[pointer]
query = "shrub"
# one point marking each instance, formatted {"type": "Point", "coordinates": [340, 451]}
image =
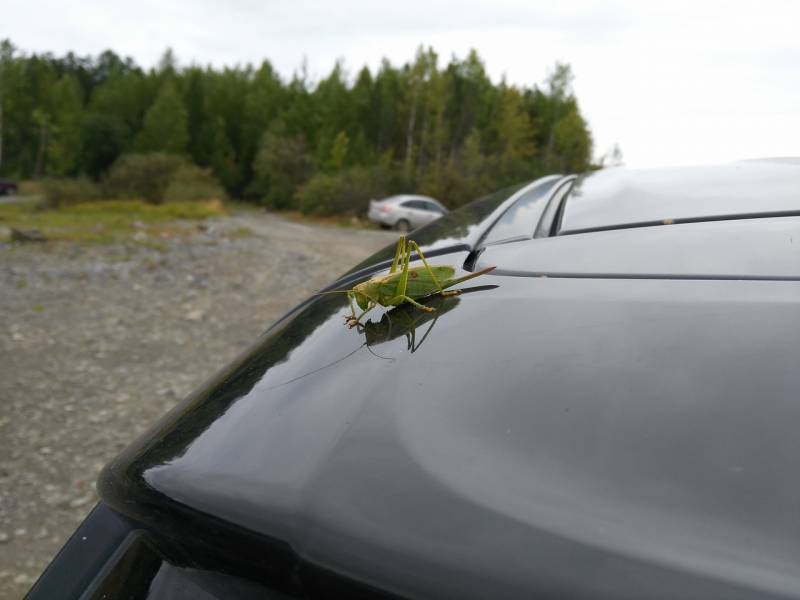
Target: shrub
{"type": "Point", "coordinates": [191, 183]}
{"type": "Point", "coordinates": [65, 192]}
{"type": "Point", "coordinates": [30, 187]}
{"type": "Point", "coordinates": [450, 186]}
{"type": "Point", "coordinates": [279, 167]}
{"type": "Point", "coordinates": [145, 176]}
{"type": "Point", "coordinates": [347, 192]}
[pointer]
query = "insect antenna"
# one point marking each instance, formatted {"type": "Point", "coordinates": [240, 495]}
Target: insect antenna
{"type": "Point", "coordinates": [317, 370]}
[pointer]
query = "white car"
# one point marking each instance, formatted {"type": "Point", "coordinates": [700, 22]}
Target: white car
{"type": "Point", "coordinates": [405, 212]}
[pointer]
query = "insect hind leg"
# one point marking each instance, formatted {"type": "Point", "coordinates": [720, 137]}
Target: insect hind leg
{"type": "Point", "coordinates": [399, 254]}
{"type": "Point", "coordinates": [410, 300]}
{"type": "Point", "coordinates": [413, 245]}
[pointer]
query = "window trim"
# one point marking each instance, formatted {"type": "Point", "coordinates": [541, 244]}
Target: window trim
{"type": "Point", "coordinates": [550, 222]}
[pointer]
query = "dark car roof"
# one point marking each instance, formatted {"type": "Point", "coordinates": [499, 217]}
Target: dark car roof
{"type": "Point", "coordinates": [622, 197]}
{"type": "Point", "coordinates": [575, 435]}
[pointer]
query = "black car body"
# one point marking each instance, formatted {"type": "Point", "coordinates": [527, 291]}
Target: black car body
{"type": "Point", "coordinates": [612, 413]}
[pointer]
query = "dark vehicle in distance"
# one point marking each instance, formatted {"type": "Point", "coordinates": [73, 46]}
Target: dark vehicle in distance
{"type": "Point", "coordinates": [7, 188]}
{"type": "Point", "coordinates": [612, 413]}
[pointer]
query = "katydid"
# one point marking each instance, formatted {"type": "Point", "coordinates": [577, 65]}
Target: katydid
{"type": "Point", "coordinates": [404, 284]}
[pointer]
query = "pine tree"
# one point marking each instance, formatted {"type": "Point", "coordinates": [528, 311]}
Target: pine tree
{"type": "Point", "coordinates": [165, 126]}
{"type": "Point", "coordinates": [338, 155]}
{"type": "Point", "coordinates": [66, 110]}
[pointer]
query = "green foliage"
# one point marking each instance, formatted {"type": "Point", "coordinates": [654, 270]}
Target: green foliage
{"type": "Point", "coordinates": [280, 166]}
{"type": "Point", "coordinates": [338, 155]}
{"type": "Point", "coordinates": [63, 150]}
{"type": "Point", "coordinates": [103, 138]}
{"type": "Point", "coordinates": [191, 183]}
{"type": "Point", "coordinates": [145, 176]}
{"type": "Point", "coordinates": [165, 127]}
{"type": "Point", "coordinates": [442, 128]}
{"type": "Point", "coordinates": [108, 221]}
{"type": "Point", "coordinates": [66, 192]}
{"type": "Point", "coordinates": [347, 192]}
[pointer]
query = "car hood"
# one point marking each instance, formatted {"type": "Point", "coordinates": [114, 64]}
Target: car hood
{"type": "Point", "coordinates": [567, 437]}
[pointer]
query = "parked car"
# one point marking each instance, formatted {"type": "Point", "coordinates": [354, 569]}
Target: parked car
{"type": "Point", "coordinates": [405, 212]}
{"type": "Point", "coordinates": [7, 187]}
{"type": "Point", "coordinates": [611, 413]}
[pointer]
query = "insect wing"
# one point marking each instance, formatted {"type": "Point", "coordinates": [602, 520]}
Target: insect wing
{"type": "Point", "coordinates": [420, 282]}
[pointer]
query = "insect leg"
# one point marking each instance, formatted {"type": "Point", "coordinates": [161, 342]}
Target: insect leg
{"type": "Point", "coordinates": [402, 283]}
{"type": "Point", "coordinates": [413, 245]}
{"type": "Point", "coordinates": [410, 300]}
{"type": "Point", "coordinates": [350, 298]}
{"type": "Point", "coordinates": [399, 253]}
{"type": "Point", "coordinates": [356, 320]}
{"type": "Point", "coordinates": [428, 331]}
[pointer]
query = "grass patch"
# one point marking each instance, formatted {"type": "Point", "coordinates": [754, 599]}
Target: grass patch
{"type": "Point", "coordinates": [109, 221]}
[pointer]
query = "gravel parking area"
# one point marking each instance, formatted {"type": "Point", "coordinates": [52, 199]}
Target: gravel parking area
{"type": "Point", "coordinates": [98, 341]}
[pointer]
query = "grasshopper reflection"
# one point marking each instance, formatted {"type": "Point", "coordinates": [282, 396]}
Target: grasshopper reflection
{"type": "Point", "coordinates": [400, 321]}
{"type": "Point", "coordinates": [406, 319]}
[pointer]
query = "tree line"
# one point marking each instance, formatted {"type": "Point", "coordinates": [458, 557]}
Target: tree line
{"type": "Point", "coordinates": [444, 129]}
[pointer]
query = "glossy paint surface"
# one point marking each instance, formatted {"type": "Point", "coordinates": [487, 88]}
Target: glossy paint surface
{"type": "Point", "coordinates": [615, 197]}
{"type": "Point", "coordinates": [764, 248]}
{"type": "Point", "coordinates": [610, 414]}
{"type": "Point", "coordinates": [575, 438]}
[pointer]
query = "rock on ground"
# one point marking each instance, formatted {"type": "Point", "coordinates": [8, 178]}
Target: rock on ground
{"type": "Point", "coordinates": [98, 341]}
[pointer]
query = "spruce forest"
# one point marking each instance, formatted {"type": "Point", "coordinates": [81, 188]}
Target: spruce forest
{"type": "Point", "coordinates": [109, 128]}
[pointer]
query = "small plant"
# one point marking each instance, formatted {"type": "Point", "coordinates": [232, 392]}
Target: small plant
{"type": "Point", "coordinates": [59, 193]}
{"type": "Point", "coordinates": [145, 176]}
{"type": "Point", "coordinates": [191, 184]}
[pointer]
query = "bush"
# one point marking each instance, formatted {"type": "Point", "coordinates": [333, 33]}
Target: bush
{"type": "Point", "coordinates": [452, 186]}
{"type": "Point", "coordinates": [159, 177]}
{"type": "Point", "coordinates": [30, 187]}
{"type": "Point", "coordinates": [191, 183]}
{"type": "Point", "coordinates": [65, 192]}
{"type": "Point", "coordinates": [348, 192]}
{"type": "Point", "coordinates": [145, 176]}
{"type": "Point", "coordinates": [279, 167]}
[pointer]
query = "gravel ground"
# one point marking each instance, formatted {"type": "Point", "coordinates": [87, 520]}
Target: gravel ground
{"type": "Point", "coordinates": [98, 341]}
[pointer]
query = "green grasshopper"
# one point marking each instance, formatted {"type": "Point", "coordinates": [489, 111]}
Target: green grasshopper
{"type": "Point", "coordinates": [403, 284]}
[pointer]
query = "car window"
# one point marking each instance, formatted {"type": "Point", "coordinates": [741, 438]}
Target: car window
{"type": "Point", "coordinates": [418, 204]}
{"type": "Point", "coordinates": [522, 216]}
{"type": "Point", "coordinates": [433, 207]}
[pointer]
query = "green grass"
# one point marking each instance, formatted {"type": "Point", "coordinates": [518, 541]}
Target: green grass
{"type": "Point", "coordinates": [109, 221]}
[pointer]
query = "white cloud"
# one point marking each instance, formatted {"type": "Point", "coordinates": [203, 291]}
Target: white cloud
{"type": "Point", "coordinates": [672, 83]}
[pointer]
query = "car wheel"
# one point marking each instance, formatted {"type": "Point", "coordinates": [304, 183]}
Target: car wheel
{"type": "Point", "coordinates": [402, 226]}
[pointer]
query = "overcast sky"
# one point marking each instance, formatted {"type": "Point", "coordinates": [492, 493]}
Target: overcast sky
{"type": "Point", "coordinates": [671, 82]}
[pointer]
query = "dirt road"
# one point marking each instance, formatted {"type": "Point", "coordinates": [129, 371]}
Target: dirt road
{"type": "Point", "coordinates": [98, 341]}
